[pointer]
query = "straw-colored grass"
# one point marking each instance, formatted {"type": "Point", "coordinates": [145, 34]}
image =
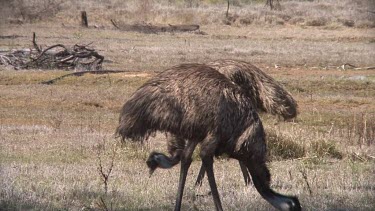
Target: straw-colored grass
{"type": "Point", "coordinates": [51, 135]}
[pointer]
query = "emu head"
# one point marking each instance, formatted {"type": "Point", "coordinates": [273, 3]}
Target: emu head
{"type": "Point", "coordinates": [160, 160]}
{"type": "Point", "coordinates": [286, 203]}
{"type": "Point", "coordinates": [292, 205]}
{"type": "Point", "coordinates": [152, 163]}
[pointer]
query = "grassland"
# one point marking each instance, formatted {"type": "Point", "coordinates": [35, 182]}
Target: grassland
{"type": "Point", "coordinates": [52, 136]}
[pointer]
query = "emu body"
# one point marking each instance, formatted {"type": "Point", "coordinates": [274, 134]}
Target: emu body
{"type": "Point", "coordinates": [265, 93]}
{"type": "Point", "coordinates": [201, 106]}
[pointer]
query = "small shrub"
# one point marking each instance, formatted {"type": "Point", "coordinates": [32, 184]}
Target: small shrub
{"type": "Point", "coordinates": [32, 10]}
{"type": "Point", "coordinates": [346, 22]}
{"type": "Point", "coordinates": [365, 24]}
{"type": "Point", "coordinates": [296, 20]}
{"type": "Point", "coordinates": [280, 147]}
{"type": "Point", "coordinates": [324, 148]}
{"type": "Point", "coordinates": [248, 19]}
{"type": "Point", "coordinates": [144, 9]}
{"type": "Point", "coordinates": [231, 19]}
{"type": "Point", "coordinates": [316, 22]}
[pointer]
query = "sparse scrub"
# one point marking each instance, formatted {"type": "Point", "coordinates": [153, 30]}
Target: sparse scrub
{"type": "Point", "coordinates": [345, 13]}
{"type": "Point", "coordinates": [361, 129]}
{"type": "Point", "coordinates": [32, 10]}
{"type": "Point", "coordinates": [325, 148]}
{"type": "Point", "coordinates": [281, 147]}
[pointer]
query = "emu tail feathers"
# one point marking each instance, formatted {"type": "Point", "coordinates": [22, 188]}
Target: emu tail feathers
{"type": "Point", "coordinates": [267, 94]}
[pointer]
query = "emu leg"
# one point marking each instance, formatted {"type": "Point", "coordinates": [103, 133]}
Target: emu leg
{"type": "Point", "coordinates": [185, 164]}
{"type": "Point", "coordinates": [244, 170]}
{"type": "Point", "coordinates": [245, 173]}
{"type": "Point", "coordinates": [200, 177]}
{"type": "Point", "coordinates": [261, 179]}
{"type": "Point", "coordinates": [208, 165]}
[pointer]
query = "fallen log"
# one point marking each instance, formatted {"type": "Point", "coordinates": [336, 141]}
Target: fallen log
{"type": "Point", "coordinates": [150, 28]}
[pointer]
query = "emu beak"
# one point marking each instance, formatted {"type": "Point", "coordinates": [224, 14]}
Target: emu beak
{"type": "Point", "coordinates": [152, 164]}
{"type": "Point", "coordinates": [151, 171]}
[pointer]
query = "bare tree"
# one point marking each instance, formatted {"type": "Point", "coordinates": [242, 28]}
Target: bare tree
{"type": "Point", "coordinates": [227, 13]}
{"type": "Point", "coordinates": [271, 5]}
{"type": "Point", "coordinates": [200, 105]}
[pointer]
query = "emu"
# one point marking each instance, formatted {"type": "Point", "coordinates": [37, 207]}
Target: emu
{"type": "Point", "coordinates": [200, 105]}
{"type": "Point", "coordinates": [265, 93]}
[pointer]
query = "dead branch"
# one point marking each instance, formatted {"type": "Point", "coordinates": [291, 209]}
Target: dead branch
{"type": "Point", "coordinates": [34, 42]}
{"type": "Point", "coordinates": [102, 205]}
{"type": "Point", "coordinates": [114, 24]}
{"type": "Point", "coordinates": [304, 175]}
{"type": "Point", "coordinates": [345, 66]}
{"type": "Point", "coordinates": [105, 175]}
{"type": "Point", "coordinates": [348, 66]}
{"type": "Point", "coordinates": [49, 48]}
{"type": "Point", "coordinates": [80, 74]}
{"type": "Point", "coordinates": [56, 56]}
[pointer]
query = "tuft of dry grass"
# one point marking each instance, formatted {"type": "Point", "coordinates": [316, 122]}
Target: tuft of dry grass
{"type": "Point", "coordinates": [281, 147]}
{"type": "Point", "coordinates": [324, 148]}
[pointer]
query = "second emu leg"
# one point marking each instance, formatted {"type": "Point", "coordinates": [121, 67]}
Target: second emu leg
{"type": "Point", "coordinates": [185, 164]}
{"type": "Point", "coordinates": [244, 171]}
{"type": "Point", "coordinates": [175, 147]}
{"type": "Point", "coordinates": [208, 148]}
{"type": "Point", "coordinates": [208, 164]}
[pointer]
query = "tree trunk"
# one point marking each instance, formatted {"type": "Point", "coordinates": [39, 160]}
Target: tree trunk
{"type": "Point", "coordinates": [84, 21]}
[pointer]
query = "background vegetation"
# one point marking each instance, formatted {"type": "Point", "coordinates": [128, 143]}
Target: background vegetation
{"type": "Point", "coordinates": [57, 144]}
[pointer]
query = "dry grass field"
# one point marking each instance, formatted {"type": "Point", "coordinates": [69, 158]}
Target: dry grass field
{"type": "Point", "coordinates": [54, 138]}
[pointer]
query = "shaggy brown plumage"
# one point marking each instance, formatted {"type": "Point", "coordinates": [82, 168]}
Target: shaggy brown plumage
{"type": "Point", "coordinates": [266, 93]}
{"type": "Point", "coordinates": [198, 104]}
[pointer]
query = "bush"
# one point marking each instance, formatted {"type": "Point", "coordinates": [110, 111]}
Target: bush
{"type": "Point", "coordinates": [34, 10]}
{"type": "Point", "coordinates": [324, 148]}
{"type": "Point", "coordinates": [281, 147]}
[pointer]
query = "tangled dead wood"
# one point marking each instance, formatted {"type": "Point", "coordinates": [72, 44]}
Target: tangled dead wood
{"type": "Point", "coordinates": [53, 57]}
